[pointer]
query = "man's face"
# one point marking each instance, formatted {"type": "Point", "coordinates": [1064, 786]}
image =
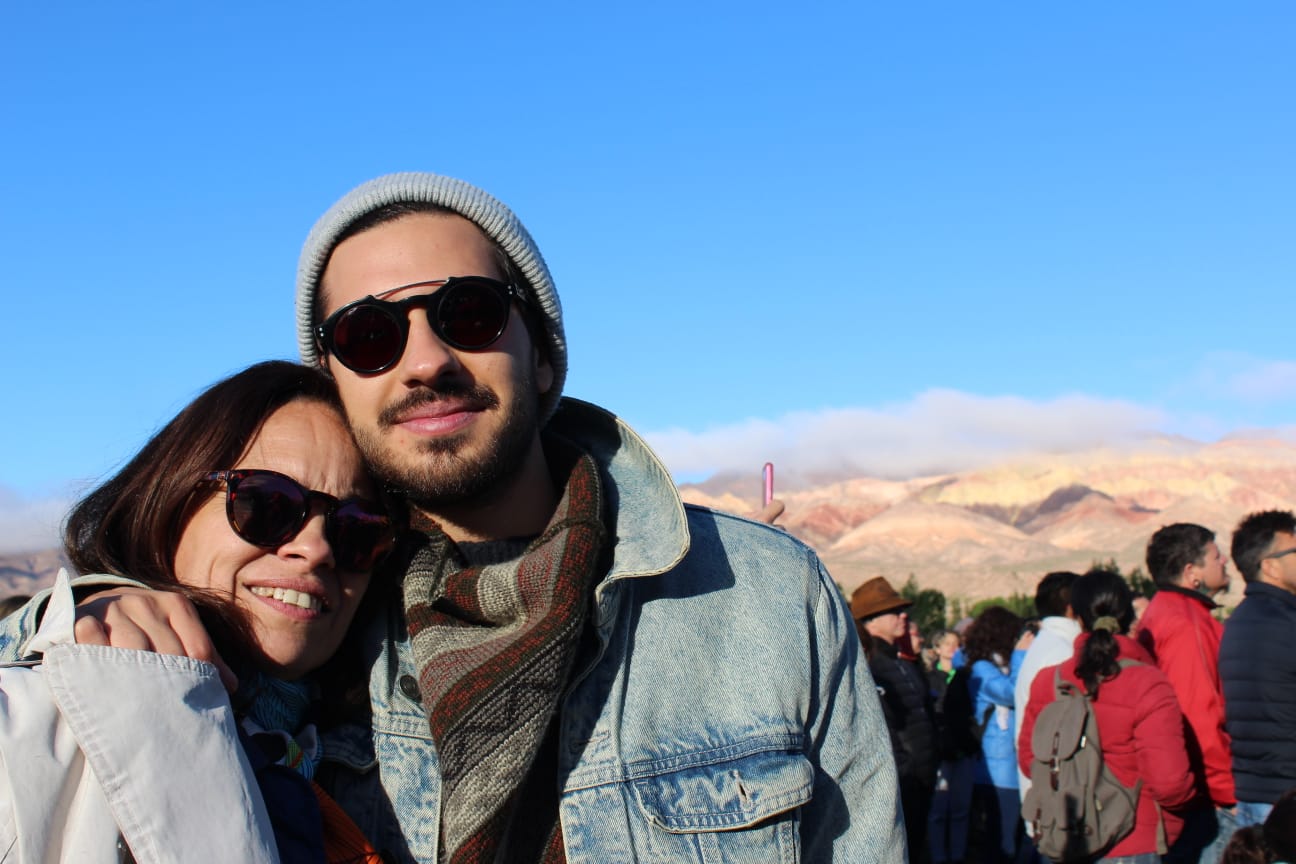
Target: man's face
{"type": "Point", "coordinates": [442, 425]}
{"type": "Point", "coordinates": [889, 626]}
{"type": "Point", "coordinates": [1278, 569]}
{"type": "Point", "coordinates": [1211, 574]}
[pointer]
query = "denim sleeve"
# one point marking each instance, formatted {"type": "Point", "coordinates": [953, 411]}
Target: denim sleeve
{"type": "Point", "coordinates": [17, 629]}
{"type": "Point", "coordinates": [854, 815]}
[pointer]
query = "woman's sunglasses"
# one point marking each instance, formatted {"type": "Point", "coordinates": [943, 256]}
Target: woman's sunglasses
{"type": "Point", "coordinates": [468, 313]}
{"type": "Point", "coordinates": [268, 509]}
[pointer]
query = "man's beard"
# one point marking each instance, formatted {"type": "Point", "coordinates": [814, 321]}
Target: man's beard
{"type": "Point", "coordinates": [456, 469]}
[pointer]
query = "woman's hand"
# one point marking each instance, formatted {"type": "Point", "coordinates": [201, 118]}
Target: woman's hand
{"type": "Point", "coordinates": [145, 620]}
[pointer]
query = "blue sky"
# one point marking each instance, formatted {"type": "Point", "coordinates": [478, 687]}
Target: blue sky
{"type": "Point", "coordinates": [892, 238]}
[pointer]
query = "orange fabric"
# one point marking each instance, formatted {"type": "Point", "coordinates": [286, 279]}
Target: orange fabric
{"type": "Point", "coordinates": [344, 843]}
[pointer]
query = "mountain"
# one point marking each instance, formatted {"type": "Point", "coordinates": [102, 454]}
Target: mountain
{"type": "Point", "coordinates": [995, 531]}
{"type": "Point", "coordinates": [29, 572]}
{"type": "Point", "coordinates": [989, 532]}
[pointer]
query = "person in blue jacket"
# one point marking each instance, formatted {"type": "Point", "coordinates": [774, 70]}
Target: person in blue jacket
{"type": "Point", "coordinates": [996, 645]}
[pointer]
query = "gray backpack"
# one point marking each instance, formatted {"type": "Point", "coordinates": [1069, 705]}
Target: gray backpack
{"type": "Point", "coordinates": [1076, 807]}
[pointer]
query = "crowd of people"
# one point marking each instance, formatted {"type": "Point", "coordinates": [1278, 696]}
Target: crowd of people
{"type": "Point", "coordinates": [1193, 718]}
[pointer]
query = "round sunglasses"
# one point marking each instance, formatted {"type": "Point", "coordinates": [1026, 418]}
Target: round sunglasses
{"type": "Point", "coordinates": [268, 509]}
{"type": "Point", "coordinates": [468, 313]}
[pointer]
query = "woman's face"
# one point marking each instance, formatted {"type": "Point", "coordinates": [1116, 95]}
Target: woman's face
{"type": "Point", "coordinates": [308, 442]}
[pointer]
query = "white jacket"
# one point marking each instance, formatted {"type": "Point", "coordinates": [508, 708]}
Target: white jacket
{"type": "Point", "coordinates": [101, 743]}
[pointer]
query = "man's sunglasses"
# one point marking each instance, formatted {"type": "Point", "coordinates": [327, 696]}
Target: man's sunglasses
{"type": "Point", "coordinates": [468, 313]}
{"type": "Point", "coordinates": [268, 509]}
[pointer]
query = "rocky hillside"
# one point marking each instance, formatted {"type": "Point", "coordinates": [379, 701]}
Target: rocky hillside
{"type": "Point", "coordinates": [996, 531]}
{"type": "Point", "coordinates": [989, 532]}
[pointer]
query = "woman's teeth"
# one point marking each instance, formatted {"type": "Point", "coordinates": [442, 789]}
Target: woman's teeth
{"type": "Point", "coordinates": [289, 596]}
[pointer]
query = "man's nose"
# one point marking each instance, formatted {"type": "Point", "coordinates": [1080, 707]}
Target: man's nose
{"type": "Point", "coordinates": [426, 357]}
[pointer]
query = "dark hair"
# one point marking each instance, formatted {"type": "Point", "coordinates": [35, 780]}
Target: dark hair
{"type": "Point", "coordinates": [1173, 548]}
{"type": "Point", "coordinates": [1280, 826]}
{"type": "Point", "coordinates": [399, 210]}
{"type": "Point", "coordinates": [131, 524]}
{"type": "Point", "coordinates": [1101, 594]}
{"type": "Point", "coordinates": [866, 639]}
{"type": "Point", "coordinates": [1053, 594]}
{"type": "Point", "coordinates": [1253, 539]}
{"type": "Point", "coordinates": [1247, 846]}
{"type": "Point", "coordinates": [995, 631]}
{"type": "Point", "coordinates": [1275, 840]}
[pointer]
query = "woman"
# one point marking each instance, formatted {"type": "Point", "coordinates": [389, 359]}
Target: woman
{"type": "Point", "coordinates": [996, 646]}
{"type": "Point", "coordinates": [1140, 726]}
{"type": "Point", "coordinates": [947, 826]}
{"type": "Point", "coordinates": [253, 502]}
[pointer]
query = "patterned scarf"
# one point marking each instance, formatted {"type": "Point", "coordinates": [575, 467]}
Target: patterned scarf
{"type": "Point", "coordinates": [495, 644]}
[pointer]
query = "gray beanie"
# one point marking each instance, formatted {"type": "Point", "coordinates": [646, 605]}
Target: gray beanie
{"type": "Point", "coordinates": [494, 219]}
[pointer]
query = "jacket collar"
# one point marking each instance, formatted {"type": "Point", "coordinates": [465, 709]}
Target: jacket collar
{"type": "Point", "coordinates": [1269, 592]}
{"type": "Point", "coordinates": [647, 527]}
{"type": "Point", "coordinates": [1129, 649]}
{"type": "Point", "coordinates": [1061, 626]}
{"type": "Point", "coordinates": [1177, 590]}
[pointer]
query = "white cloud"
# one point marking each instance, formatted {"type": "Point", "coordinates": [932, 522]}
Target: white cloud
{"type": "Point", "coordinates": [936, 431]}
{"type": "Point", "coordinates": [1242, 377]}
{"type": "Point", "coordinates": [1265, 381]}
{"type": "Point", "coordinates": [30, 524]}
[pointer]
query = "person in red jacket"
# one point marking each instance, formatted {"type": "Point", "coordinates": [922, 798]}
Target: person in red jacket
{"type": "Point", "coordinates": [1140, 726]}
{"type": "Point", "coordinates": [1183, 638]}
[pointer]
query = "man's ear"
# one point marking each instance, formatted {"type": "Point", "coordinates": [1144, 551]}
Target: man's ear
{"type": "Point", "coordinates": [544, 374]}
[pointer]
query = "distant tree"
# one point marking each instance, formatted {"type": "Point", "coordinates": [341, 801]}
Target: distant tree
{"type": "Point", "coordinates": [928, 609]}
{"type": "Point", "coordinates": [1139, 581]}
{"type": "Point", "coordinates": [1019, 604]}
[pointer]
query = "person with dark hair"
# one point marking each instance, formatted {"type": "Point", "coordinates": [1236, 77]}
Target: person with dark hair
{"type": "Point", "coordinates": [577, 665]}
{"type": "Point", "coordinates": [880, 617]}
{"type": "Point", "coordinates": [1183, 638]}
{"type": "Point", "coordinates": [950, 817]}
{"type": "Point", "coordinates": [1274, 842]}
{"type": "Point", "coordinates": [1140, 726]}
{"type": "Point", "coordinates": [996, 644]}
{"type": "Point", "coordinates": [254, 504]}
{"type": "Point", "coordinates": [1257, 666]}
{"type": "Point", "coordinates": [1058, 629]}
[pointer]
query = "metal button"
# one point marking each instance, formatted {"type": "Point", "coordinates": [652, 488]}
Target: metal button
{"type": "Point", "coordinates": [410, 688]}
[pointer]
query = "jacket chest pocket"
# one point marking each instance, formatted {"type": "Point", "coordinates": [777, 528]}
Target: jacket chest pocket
{"type": "Point", "coordinates": [739, 810]}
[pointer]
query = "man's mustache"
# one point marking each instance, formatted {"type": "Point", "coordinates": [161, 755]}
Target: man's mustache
{"type": "Point", "coordinates": [477, 397]}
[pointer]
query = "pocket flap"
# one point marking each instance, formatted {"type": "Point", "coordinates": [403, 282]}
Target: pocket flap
{"type": "Point", "coordinates": [735, 793]}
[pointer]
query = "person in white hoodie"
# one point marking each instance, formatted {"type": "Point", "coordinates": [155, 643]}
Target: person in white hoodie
{"type": "Point", "coordinates": [1053, 644]}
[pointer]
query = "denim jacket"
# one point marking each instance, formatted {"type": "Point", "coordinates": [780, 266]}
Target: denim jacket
{"type": "Point", "coordinates": [726, 714]}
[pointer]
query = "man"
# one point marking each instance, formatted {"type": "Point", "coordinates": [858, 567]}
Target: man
{"type": "Point", "coordinates": [1258, 667]}
{"type": "Point", "coordinates": [879, 612]}
{"type": "Point", "coordinates": [1183, 637]}
{"type": "Point", "coordinates": [1052, 645]}
{"type": "Point", "coordinates": [575, 666]}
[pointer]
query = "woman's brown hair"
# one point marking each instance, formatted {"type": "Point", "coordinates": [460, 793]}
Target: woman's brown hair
{"type": "Point", "coordinates": [994, 632]}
